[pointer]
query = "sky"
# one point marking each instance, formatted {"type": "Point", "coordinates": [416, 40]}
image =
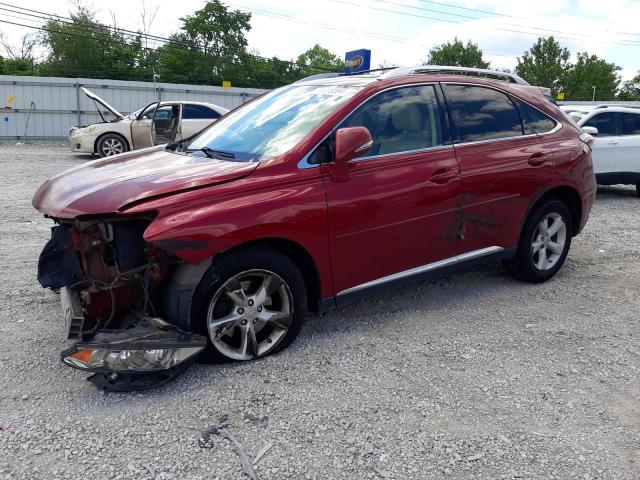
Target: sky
{"type": "Point", "coordinates": [399, 32]}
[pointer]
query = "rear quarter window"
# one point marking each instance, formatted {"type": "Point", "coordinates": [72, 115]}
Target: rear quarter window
{"type": "Point", "coordinates": [534, 120]}
{"type": "Point", "coordinates": [482, 113]}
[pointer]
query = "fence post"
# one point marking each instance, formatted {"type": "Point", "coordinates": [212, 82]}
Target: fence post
{"type": "Point", "coordinates": [78, 103]}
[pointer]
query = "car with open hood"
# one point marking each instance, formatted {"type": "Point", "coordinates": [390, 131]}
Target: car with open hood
{"type": "Point", "coordinates": [307, 198]}
{"type": "Point", "coordinates": [155, 124]}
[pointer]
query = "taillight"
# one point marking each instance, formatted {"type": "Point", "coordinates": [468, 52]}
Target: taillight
{"type": "Point", "coordinates": [586, 138]}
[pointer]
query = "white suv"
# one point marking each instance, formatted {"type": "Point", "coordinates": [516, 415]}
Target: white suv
{"type": "Point", "coordinates": [616, 146]}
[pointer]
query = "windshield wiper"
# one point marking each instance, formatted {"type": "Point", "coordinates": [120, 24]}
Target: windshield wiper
{"type": "Point", "coordinates": [217, 154]}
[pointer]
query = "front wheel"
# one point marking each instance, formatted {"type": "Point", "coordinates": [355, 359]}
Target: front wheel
{"type": "Point", "coordinates": [544, 243]}
{"type": "Point", "coordinates": [111, 144]}
{"type": "Point", "coordinates": [250, 304]}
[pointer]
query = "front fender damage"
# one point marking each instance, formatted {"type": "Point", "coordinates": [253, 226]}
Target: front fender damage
{"type": "Point", "coordinates": [112, 286]}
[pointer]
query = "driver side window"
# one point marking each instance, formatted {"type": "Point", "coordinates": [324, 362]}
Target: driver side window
{"type": "Point", "coordinates": [400, 120]}
{"type": "Point", "coordinates": [605, 122]}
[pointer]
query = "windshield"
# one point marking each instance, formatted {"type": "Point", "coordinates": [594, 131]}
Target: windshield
{"type": "Point", "coordinates": [272, 124]}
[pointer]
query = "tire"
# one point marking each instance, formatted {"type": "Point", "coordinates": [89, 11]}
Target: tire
{"type": "Point", "coordinates": [111, 144]}
{"type": "Point", "coordinates": [540, 256]}
{"type": "Point", "coordinates": [227, 316]}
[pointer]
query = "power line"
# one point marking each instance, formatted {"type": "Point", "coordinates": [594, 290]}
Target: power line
{"type": "Point", "coordinates": [83, 28]}
{"type": "Point", "coordinates": [498, 14]}
{"type": "Point", "coordinates": [414, 15]}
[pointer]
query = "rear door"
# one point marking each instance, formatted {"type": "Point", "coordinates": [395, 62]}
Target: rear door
{"type": "Point", "coordinates": [195, 117]}
{"type": "Point", "coordinates": [629, 159]}
{"type": "Point", "coordinates": [398, 209]}
{"type": "Point", "coordinates": [607, 150]}
{"type": "Point", "coordinates": [502, 165]}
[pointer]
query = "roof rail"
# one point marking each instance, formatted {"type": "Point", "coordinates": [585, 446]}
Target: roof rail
{"type": "Point", "coordinates": [343, 74]}
{"type": "Point", "coordinates": [441, 69]}
{"type": "Point", "coordinates": [318, 76]}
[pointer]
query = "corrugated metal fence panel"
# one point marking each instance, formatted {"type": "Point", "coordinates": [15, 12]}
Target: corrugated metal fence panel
{"type": "Point", "coordinates": [43, 108]}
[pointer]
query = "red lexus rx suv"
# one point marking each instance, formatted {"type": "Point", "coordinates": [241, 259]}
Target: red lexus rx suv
{"type": "Point", "coordinates": [305, 198]}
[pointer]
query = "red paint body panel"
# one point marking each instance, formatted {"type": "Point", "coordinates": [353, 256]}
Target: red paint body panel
{"type": "Point", "coordinates": [387, 217]}
{"type": "Point", "coordinates": [106, 185]}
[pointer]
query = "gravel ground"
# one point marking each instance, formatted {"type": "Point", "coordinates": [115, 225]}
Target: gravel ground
{"type": "Point", "coordinates": [471, 376]}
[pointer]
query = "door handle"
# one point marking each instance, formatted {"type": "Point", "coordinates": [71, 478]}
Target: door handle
{"type": "Point", "coordinates": [612, 142]}
{"type": "Point", "coordinates": [538, 159]}
{"type": "Point", "coordinates": [440, 177]}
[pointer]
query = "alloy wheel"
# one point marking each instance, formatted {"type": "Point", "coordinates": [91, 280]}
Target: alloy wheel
{"type": "Point", "coordinates": [112, 146]}
{"type": "Point", "coordinates": [250, 314]}
{"type": "Point", "coordinates": [549, 241]}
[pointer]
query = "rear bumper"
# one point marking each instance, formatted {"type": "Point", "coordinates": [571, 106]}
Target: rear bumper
{"type": "Point", "coordinates": [588, 199]}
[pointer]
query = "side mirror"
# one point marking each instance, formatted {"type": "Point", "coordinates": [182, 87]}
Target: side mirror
{"type": "Point", "coordinates": [593, 131]}
{"type": "Point", "coordinates": [351, 142]}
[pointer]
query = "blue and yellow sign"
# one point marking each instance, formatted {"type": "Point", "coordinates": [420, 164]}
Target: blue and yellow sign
{"type": "Point", "coordinates": [357, 61]}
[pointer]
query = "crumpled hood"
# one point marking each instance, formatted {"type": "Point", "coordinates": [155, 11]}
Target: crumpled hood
{"type": "Point", "coordinates": [108, 184]}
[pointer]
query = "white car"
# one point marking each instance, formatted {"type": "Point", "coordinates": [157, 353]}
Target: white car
{"type": "Point", "coordinates": [616, 145]}
{"type": "Point", "coordinates": [155, 124]}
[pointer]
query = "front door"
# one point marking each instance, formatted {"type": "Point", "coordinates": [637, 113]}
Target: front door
{"type": "Point", "coordinates": [141, 127]}
{"type": "Point", "coordinates": [397, 211]}
{"type": "Point", "coordinates": [607, 149]}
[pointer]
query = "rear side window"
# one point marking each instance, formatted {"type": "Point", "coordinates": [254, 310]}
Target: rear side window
{"type": "Point", "coordinates": [482, 113]}
{"type": "Point", "coordinates": [630, 123]}
{"type": "Point", "coordinates": [198, 112]}
{"type": "Point", "coordinates": [400, 120]}
{"type": "Point", "coordinates": [605, 122]}
{"type": "Point", "coordinates": [534, 120]}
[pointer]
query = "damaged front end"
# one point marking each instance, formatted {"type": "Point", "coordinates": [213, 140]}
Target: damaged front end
{"type": "Point", "coordinates": [109, 280]}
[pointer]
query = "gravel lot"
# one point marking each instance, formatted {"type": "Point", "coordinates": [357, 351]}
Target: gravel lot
{"type": "Point", "coordinates": [471, 376]}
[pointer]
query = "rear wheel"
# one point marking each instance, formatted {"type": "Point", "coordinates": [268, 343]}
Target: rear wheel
{"type": "Point", "coordinates": [111, 144]}
{"type": "Point", "coordinates": [544, 243]}
{"type": "Point", "coordinates": [250, 304]}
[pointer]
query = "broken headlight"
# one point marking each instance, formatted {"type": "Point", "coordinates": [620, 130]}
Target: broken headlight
{"type": "Point", "coordinates": [139, 360]}
{"type": "Point", "coordinates": [143, 344]}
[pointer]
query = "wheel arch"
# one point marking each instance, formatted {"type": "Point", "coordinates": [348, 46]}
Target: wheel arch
{"type": "Point", "coordinates": [99, 137]}
{"type": "Point", "coordinates": [569, 196]}
{"type": "Point", "coordinates": [177, 295]}
{"type": "Point", "coordinates": [298, 255]}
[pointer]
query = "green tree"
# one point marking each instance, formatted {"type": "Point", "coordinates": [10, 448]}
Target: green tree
{"type": "Point", "coordinates": [545, 64]}
{"type": "Point", "coordinates": [590, 71]}
{"type": "Point", "coordinates": [218, 31]}
{"type": "Point", "coordinates": [319, 60]}
{"type": "Point", "coordinates": [457, 54]}
{"type": "Point", "coordinates": [630, 89]}
{"type": "Point", "coordinates": [84, 47]}
{"type": "Point", "coordinates": [20, 60]}
{"type": "Point", "coordinates": [211, 45]}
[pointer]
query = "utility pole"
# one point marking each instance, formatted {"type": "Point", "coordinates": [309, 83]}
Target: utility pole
{"type": "Point", "coordinates": [156, 76]}
{"type": "Point", "coordinates": [593, 98]}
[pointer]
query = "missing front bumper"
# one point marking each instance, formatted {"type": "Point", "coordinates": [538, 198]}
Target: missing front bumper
{"type": "Point", "coordinates": [144, 353]}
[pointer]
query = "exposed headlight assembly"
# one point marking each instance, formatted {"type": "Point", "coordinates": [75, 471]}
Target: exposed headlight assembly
{"type": "Point", "coordinates": [145, 353]}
